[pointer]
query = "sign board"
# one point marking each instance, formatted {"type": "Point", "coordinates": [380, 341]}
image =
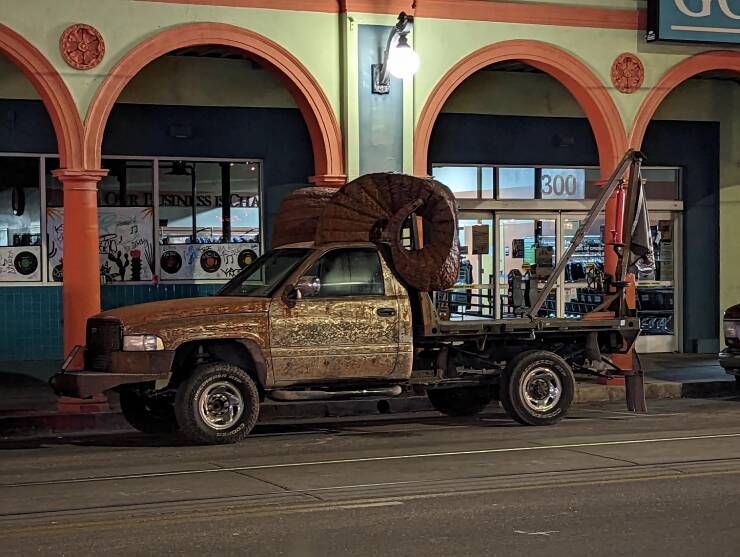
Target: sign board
{"type": "Point", "coordinates": [178, 199]}
{"type": "Point", "coordinates": [481, 234]}
{"type": "Point", "coordinates": [665, 227]}
{"type": "Point", "coordinates": [544, 256]}
{"type": "Point", "coordinates": [517, 248]}
{"type": "Point", "coordinates": [706, 21]}
{"type": "Point", "coordinates": [563, 183]}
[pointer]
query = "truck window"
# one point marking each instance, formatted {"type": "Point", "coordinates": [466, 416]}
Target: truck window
{"type": "Point", "coordinates": [262, 277]}
{"type": "Point", "coordinates": [349, 272]}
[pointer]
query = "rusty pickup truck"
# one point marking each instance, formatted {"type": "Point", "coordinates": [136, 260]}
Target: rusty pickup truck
{"type": "Point", "coordinates": [336, 320]}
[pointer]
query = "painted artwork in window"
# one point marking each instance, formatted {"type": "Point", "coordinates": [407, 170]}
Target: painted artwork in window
{"type": "Point", "coordinates": [125, 244]}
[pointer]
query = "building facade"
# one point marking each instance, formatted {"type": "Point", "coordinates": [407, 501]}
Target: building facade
{"type": "Point", "coordinates": [146, 145]}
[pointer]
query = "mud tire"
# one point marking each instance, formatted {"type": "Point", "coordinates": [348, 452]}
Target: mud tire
{"type": "Point", "coordinates": [521, 373]}
{"type": "Point", "coordinates": [193, 427]}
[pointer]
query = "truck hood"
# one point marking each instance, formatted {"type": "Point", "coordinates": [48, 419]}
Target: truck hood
{"type": "Point", "coordinates": [154, 316]}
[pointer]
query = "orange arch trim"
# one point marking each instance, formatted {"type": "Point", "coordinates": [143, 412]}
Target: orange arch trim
{"type": "Point", "coordinates": [53, 92]}
{"type": "Point", "coordinates": [323, 127]}
{"type": "Point", "coordinates": [706, 61]}
{"type": "Point", "coordinates": [579, 79]}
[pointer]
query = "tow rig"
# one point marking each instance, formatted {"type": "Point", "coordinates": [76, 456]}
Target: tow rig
{"type": "Point", "coordinates": [341, 308]}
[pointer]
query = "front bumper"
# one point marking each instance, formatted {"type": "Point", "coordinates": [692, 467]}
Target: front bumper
{"type": "Point", "coordinates": [729, 359]}
{"type": "Point", "coordinates": [126, 368]}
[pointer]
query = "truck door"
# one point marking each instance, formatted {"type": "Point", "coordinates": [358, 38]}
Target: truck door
{"type": "Point", "coordinates": [347, 329]}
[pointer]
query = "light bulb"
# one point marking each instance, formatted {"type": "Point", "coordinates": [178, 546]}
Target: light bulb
{"type": "Point", "coordinates": [403, 62]}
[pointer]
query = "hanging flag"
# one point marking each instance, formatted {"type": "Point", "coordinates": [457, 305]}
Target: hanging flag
{"type": "Point", "coordinates": [642, 241]}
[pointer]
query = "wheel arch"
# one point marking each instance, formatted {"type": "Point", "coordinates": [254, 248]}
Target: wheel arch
{"type": "Point", "coordinates": [241, 352]}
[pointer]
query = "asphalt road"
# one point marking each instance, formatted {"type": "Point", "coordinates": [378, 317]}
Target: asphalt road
{"type": "Point", "coordinates": [603, 482]}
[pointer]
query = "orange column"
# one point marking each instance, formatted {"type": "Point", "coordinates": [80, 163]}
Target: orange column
{"type": "Point", "coordinates": [81, 288]}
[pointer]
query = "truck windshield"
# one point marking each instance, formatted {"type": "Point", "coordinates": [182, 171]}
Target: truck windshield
{"type": "Point", "coordinates": [263, 276]}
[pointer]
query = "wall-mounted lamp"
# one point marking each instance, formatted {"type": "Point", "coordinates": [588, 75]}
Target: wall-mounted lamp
{"type": "Point", "coordinates": [399, 59]}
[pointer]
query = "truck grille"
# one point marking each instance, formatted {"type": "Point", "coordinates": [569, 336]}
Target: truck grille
{"type": "Point", "coordinates": [103, 337]}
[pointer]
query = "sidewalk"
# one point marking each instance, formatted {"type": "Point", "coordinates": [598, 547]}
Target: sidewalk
{"type": "Point", "coordinates": [29, 407]}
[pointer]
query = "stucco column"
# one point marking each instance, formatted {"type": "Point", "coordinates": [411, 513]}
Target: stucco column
{"type": "Point", "coordinates": [81, 287]}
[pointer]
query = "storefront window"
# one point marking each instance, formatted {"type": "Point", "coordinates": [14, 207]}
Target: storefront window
{"type": "Point", "coordinates": [584, 273]}
{"type": "Point", "coordinates": [516, 183]}
{"type": "Point", "coordinates": [20, 219]}
{"type": "Point", "coordinates": [662, 183]}
{"type": "Point", "coordinates": [125, 222]}
{"type": "Point", "coordinates": [462, 180]}
{"type": "Point", "coordinates": [209, 218]}
{"type": "Point", "coordinates": [488, 184]}
{"type": "Point", "coordinates": [562, 184]}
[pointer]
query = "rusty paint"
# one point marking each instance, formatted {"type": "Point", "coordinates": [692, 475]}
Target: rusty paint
{"type": "Point", "coordinates": [179, 321]}
{"type": "Point", "coordinates": [315, 340]}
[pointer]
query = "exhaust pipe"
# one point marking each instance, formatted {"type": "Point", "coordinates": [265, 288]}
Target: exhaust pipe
{"type": "Point", "coordinates": [292, 395]}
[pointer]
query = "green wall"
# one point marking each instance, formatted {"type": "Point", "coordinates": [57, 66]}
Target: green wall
{"type": "Point", "coordinates": [310, 36]}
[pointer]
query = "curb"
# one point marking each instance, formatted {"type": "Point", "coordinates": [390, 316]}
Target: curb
{"type": "Point", "coordinates": [51, 424]}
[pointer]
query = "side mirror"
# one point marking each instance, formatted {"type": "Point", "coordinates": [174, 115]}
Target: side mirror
{"type": "Point", "coordinates": [308, 286]}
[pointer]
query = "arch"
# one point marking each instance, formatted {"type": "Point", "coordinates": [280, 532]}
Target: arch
{"type": "Point", "coordinates": [706, 61]}
{"type": "Point", "coordinates": [323, 127]}
{"type": "Point", "coordinates": [579, 79]}
{"type": "Point", "coordinates": [53, 91]}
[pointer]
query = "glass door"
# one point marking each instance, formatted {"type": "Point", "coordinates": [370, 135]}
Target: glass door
{"type": "Point", "coordinates": [658, 292]}
{"type": "Point", "coordinates": [474, 294]}
{"type": "Point", "coordinates": [528, 247]}
{"type": "Point", "coordinates": [583, 277]}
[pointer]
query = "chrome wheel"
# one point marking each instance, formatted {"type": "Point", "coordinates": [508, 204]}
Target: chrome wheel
{"type": "Point", "coordinates": [221, 405]}
{"type": "Point", "coordinates": [541, 389]}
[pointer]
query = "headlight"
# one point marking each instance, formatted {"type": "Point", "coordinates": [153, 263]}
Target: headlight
{"type": "Point", "coordinates": [142, 343]}
{"type": "Point", "coordinates": [732, 329]}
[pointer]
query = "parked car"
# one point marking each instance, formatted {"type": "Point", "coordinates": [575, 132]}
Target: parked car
{"type": "Point", "coordinates": [729, 358]}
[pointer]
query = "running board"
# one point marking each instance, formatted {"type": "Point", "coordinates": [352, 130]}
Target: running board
{"type": "Point", "coordinates": [296, 395]}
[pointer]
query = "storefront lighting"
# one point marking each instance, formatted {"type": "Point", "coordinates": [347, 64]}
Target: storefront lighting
{"type": "Point", "coordinates": [399, 59]}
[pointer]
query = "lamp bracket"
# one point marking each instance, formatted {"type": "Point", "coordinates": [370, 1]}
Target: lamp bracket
{"type": "Point", "coordinates": [380, 74]}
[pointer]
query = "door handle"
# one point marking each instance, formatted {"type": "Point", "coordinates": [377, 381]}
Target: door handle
{"type": "Point", "coordinates": [386, 312]}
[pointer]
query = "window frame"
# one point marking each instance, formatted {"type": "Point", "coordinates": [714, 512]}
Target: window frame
{"type": "Point", "coordinates": [319, 257]}
{"type": "Point", "coordinates": [44, 158]}
{"type": "Point", "coordinates": [537, 203]}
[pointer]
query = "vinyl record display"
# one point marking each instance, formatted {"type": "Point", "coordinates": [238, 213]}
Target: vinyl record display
{"type": "Point", "coordinates": [57, 273]}
{"type": "Point", "coordinates": [210, 261]}
{"type": "Point", "coordinates": [246, 258]}
{"type": "Point", "coordinates": [26, 263]}
{"type": "Point", "coordinates": [171, 262]}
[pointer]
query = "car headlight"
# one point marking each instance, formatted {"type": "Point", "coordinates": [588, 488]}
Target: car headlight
{"type": "Point", "coordinates": [732, 329]}
{"type": "Point", "coordinates": [142, 343]}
